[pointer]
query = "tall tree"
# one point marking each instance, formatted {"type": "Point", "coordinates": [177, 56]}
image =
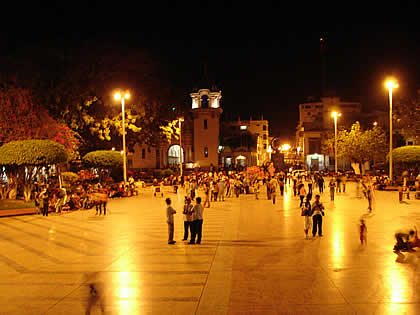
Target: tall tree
{"type": "Point", "coordinates": [358, 145]}
{"type": "Point", "coordinates": [76, 81]}
{"type": "Point", "coordinates": [22, 118]}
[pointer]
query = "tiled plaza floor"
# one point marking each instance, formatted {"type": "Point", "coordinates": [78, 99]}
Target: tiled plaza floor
{"type": "Point", "coordinates": [253, 260]}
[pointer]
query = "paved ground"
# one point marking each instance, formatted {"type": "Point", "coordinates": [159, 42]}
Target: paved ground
{"type": "Point", "coordinates": [253, 260]}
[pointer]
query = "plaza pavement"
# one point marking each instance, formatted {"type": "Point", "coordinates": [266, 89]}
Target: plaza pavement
{"type": "Point", "coordinates": [253, 259]}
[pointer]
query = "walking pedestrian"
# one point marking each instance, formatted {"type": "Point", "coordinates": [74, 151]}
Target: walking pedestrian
{"type": "Point", "coordinates": [273, 189]}
{"type": "Point", "coordinates": [170, 220]}
{"type": "Point", "coordinates": [363, 232]}
{"type": "Point", "coordinates": [188, 218]}
{"type": "Point", "coordinates": [317, 214]}
{"type": "Point", "coordinates": [256, 188]}
{"type": "Point", "coordinates": [332, 186]}
{"type": "Point", "coordinates": [302, 194]}
{"type": "Point", "coordinates": [197, 213]}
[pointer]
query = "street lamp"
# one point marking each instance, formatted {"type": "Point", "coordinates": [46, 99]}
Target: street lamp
{"type": "Point", "coordinates": [335, 115]}
{"type": "Point", "coordinates": [123, 97]}
{"type": "Point", "coordinates": [390, 84]}
{"type": "Point", "coordinates": [180, 119]}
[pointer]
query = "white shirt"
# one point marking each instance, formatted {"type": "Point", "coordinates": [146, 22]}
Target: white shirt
{"type": "Point", "coordinates": [198, 212]}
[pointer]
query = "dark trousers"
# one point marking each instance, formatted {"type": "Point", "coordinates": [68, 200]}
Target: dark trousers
{"type": "Point", "coordinates": [317, 224]}
{"type": "Point", "coordinates": [321, 187]}
{"type": "Point", "coordinates": [310, 189]}
{"type": "Point", "coordinates": [187, 225]}
{"type": "Point", "coordinates": [45, 209]}
{"type": "Point", "coordinates": [196, 230]}
{"type": "Point", "coordinates": [282, 190]}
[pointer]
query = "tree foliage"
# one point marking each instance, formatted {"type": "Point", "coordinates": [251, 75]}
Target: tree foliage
{"type": "Point", "coordinates": [21, 118]}
{"type": "Point", "coordinates": [103, 159]}
{"type": "Point", "coordinates": [407, 154]}
{"type": "Point", "coordinates": [32, 153]}
{"type": "Point", "coordinates": [358, 145]}
{"type": "Point", "coordinates": [23, 161]}
{"type": "Point", "coordinates": [75, 81]}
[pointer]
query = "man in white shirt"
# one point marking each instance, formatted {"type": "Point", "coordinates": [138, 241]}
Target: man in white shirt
{"type": "Point", "coordinates": [170, 220]}
{"type": "Point", "coordinates": [197, 224]}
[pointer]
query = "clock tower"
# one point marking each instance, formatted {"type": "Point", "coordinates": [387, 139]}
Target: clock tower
{"type": "Point", "coordinates": [206, 120]}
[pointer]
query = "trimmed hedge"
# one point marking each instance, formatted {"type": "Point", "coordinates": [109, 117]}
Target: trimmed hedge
{"type": "Point", "coordinates": [406, 154]}
{"type": "Point", "coordinates": [103, 159]}
{"type": "Point", "coordinates": [32, 152]}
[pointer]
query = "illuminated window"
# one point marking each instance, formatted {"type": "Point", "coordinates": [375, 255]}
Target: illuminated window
{"type": "Point", "coordinates": [206, 152]}
{"type": "Point", "coordinates": [242, 127]}
{"type": "Point", "coordinates": [205, 123]}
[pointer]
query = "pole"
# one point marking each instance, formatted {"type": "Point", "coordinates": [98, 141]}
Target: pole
{"type": "Point", "coordinates": [180, 147]}
{"type": "Point", "coordinates": [335, 142]}
{"type": "Point", "coordinates": [124, 153]}
{"type": "Point", "coordinates": [390, 134]}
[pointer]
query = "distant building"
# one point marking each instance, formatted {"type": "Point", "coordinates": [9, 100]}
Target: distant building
{"type": "Point", "coordinates": [206, 143]}
{"type": "Point", "coordinates": [245, 143]}
{"type": "Point", "coordinates": [314, 122]}
{"type": "Point", "coordinates": [200, 138]}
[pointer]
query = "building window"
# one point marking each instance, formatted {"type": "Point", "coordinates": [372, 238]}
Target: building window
{"type": "Point", "coordinates": [148, 149]}
{"type": "Point", "coordinates": [242, 127]}
{"type": "Point", "coordinates": [206, 152]}
{"type": "Point", "coordinates": [205, 123]}
{"type": "Point", "coordinates": [204, 101]}
{"type": "Point", "coordinates": [265, 137]}
{"type": "Point", "coordinates": [265, 147]}
{"type": "Point", "coordinates": [264, 127]}
{"type": "Point", "coordinates": [143, 153]}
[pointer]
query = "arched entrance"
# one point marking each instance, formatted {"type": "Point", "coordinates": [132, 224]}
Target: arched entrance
{"type": "Point", "coordinates": [173, 155]}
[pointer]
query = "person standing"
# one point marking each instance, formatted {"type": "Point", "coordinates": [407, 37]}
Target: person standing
{"type": "Point", "coordinates": [338, 185]}
{"type": "Point", "coordinates": [310, 182]}
{"type": "Point", "coordinates": [343, 182]}
{"type": "Point", "coordinates": [256, 188]}
{"type": "Point", "coordinates": [207, 194]}
{"type": "Point", "coordinates": [197, 213]}
{"type": "Point", "coordinates": [187, 217]}
{"type": "Point", "coordinates": [332, 186]}
{"type": "Point", "coordinates": [321, 184]}
{"type": "Point", "coordinates": [221, 186]}
{"type": "Point", "coordinates": [281, 185]}
{"type": "Point", "coordinates": [170, 220]}
{"type": "Point", "coordinates": [307, 216]}
{"type": "Point", "coordinates": [317, 214]}
{"type": "Point", "coordinates": [302, 194]}
{"type": "Point", "coordinates": [44, 196]}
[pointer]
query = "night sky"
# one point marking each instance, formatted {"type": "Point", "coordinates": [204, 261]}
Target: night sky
{"type": "Point", "coordinates": [268, 70]}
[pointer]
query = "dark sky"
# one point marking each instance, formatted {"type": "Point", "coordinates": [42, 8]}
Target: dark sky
{"type": "Point", "coordinates": [268, 69]}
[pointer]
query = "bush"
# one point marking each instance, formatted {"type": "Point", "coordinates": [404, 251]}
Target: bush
{"type": "Point", "coordinates": [408, 154]}
{"type": "Point", "coordinates": [103, 159]}
{"type": "Point", "coordinates": [32, 152]}
{"type": "Point", "coordinates": [69, 178]}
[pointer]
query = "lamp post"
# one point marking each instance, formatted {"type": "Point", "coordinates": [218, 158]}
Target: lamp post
{"type": "Point", "coordinates": [181, 119]}
{"type": "Point", "coordinates": [335, 115]}
{"type": "Point", "coordinates": [390, 84]}
{"type": "Point", "coordinates": [126, 96]}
